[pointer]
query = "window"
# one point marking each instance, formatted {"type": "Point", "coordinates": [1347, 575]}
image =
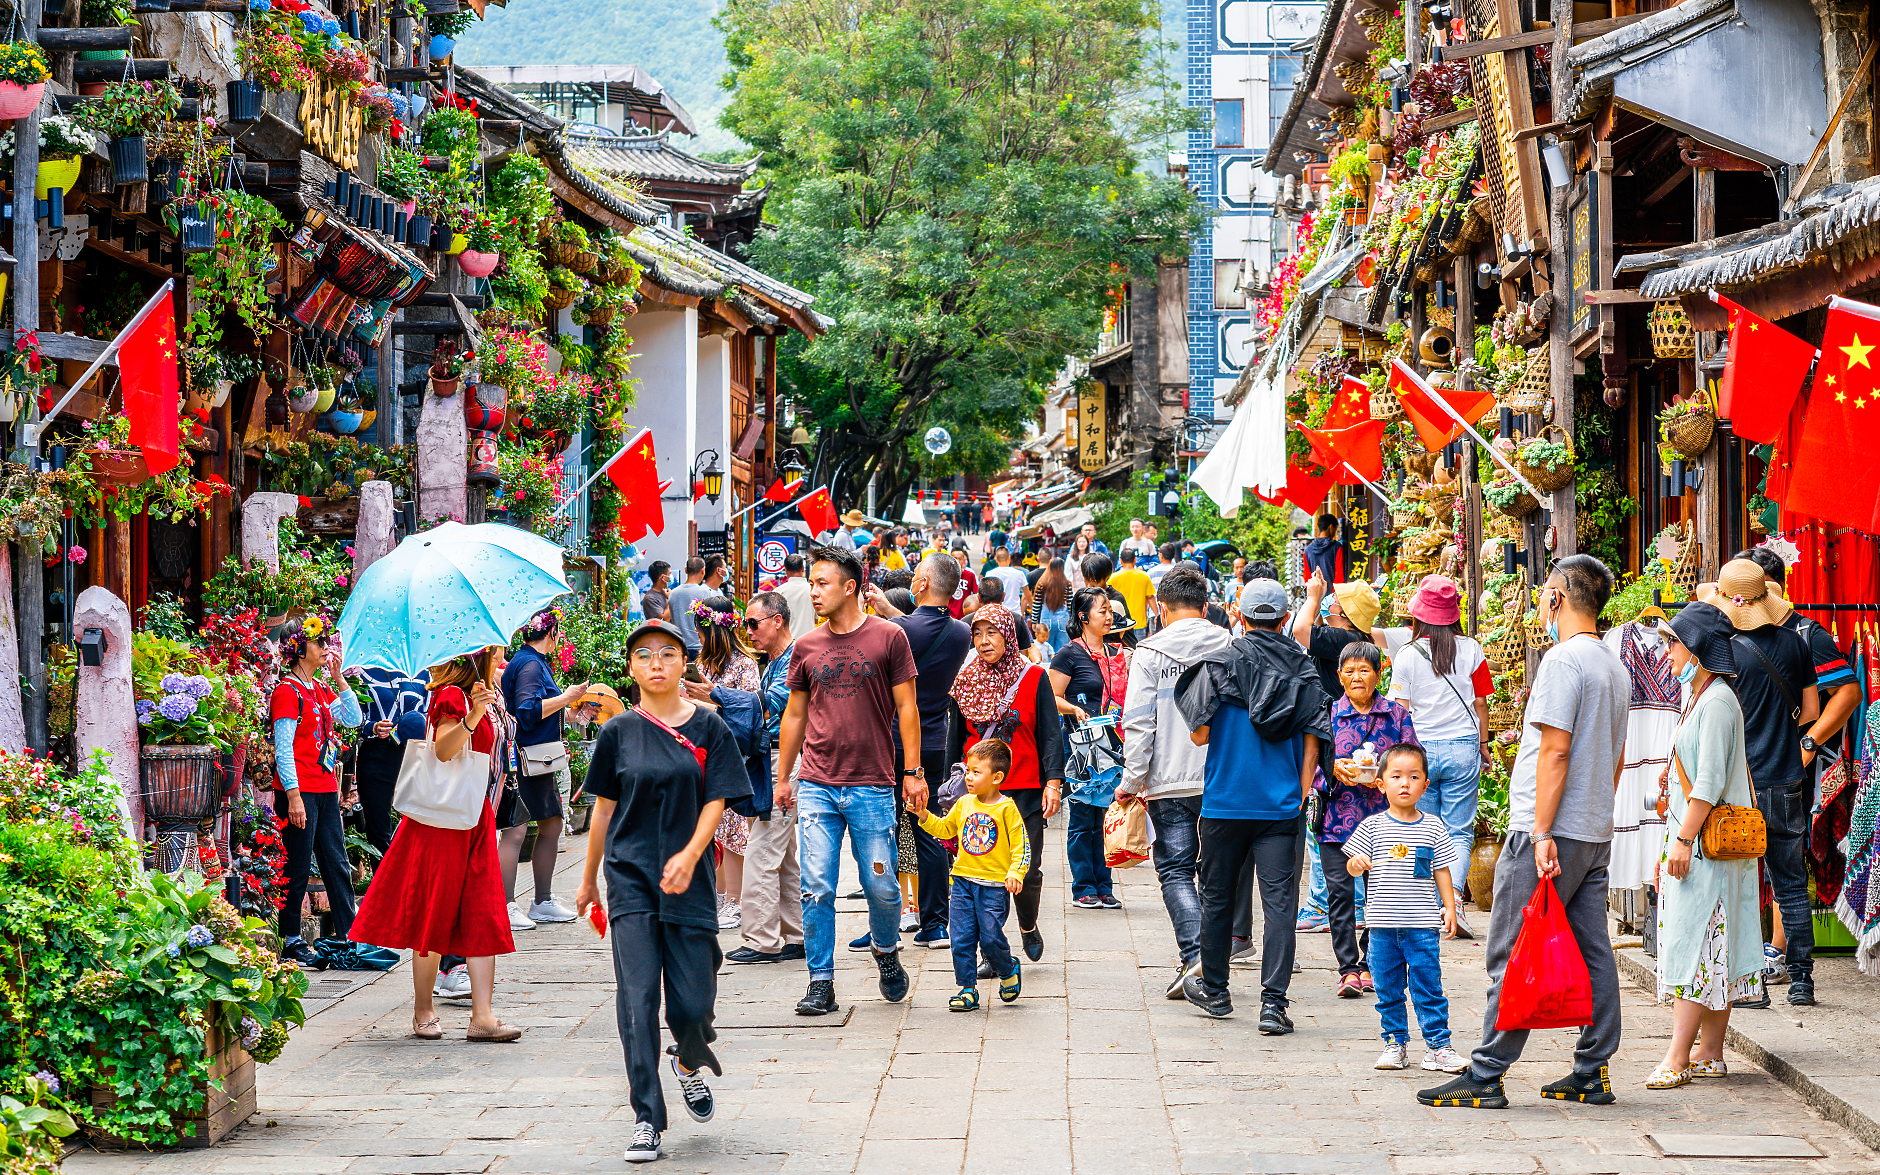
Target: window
{"type": "Point", "coordinates": [1227, 292]}
{"type": "Point", "coordinates": [1230, 122]}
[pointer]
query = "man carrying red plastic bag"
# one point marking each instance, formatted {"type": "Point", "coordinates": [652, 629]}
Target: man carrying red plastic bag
{"type": "Point", "coordinates": [1550, 961]}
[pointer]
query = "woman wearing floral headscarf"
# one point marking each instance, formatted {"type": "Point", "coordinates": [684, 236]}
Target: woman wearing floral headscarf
{"type": "Point", "coordinates": [1002, 695]}
{"type": "Point", "coordinates": [307, 707]}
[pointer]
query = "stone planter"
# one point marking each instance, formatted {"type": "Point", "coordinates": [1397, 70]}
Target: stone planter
{"type": "Point", "coordinates": [228, 1096]}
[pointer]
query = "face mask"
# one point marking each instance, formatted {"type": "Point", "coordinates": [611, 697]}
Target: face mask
{"type": "Point", "coordinates": [1553, 631]}
{"type": "Point", "coordinates": [1689, 671]}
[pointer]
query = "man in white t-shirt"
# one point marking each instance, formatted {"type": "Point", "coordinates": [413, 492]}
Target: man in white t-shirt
{"type": "Point", "coordinates": [1014, 580]}
{"type": "Point", "coordinates": [1138, 541]}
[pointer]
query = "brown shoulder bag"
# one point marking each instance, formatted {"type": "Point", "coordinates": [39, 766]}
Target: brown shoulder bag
{"type": "Point", "coordinates": [1731, 831]}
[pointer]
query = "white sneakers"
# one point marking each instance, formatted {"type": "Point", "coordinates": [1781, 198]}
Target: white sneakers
{"type": "Point", "coordinates": [453, 984]}
{"type": "Point", "coordinates": [730, 914]}
{"type": "Point", "coordinates": [1443, 1060]}
{"type": "Point", "coordinates": [1394, 1056]}
{"type": "Point", "coordinates": [910, 919]}
{"type": "Point", "coordinates": [549, 909]}
{"type": "Point", "coordinates": [518, 920]}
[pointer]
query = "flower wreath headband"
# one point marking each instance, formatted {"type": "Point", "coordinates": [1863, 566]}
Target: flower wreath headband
{"type": "Point", "coordinates": [704, 615]}
{"type": "Point", "coordinates": [294, 644]}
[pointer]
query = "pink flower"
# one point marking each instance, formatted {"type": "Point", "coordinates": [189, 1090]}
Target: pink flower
{"type": "Point", "coordinates": [340, 580]}
{"type": "Point", "coordinates": [76, 554]}
{"type": "Point", "coordinates": [351, 554]}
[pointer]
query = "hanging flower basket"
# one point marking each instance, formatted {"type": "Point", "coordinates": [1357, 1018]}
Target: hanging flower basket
{"type": "Point", "coordinates": [1385, 406]}
{"type": "Point", "coordinates": [1508, 498]}
{"type": "Point", "coordinates": [130, 160]}
{"type": "Point", "coordinates": [57, 173]}
{"type": "Point", "coordinates": [1688, 431]}
{"type": "Point", "coordinates": [559, 299]}
{"type": "Point", "coordinates": [119, 467]}
{"type": "Point", "coordinates": [1530, 393]}
{"type": "Point", "coordinates": [1672, 336]}
{"type": "Point", "coordinates": [181, 782]}
{"type": "Point", "coordinates": [244, 100]}
{"type": "Point", "coordinates": [584, 261]}
{"type": "Point", "coordinates": [477, 264]}
{"type": "Point", "coordinates": [17, 101]}
{"type": "Point", "coordinates": [1545, 476]}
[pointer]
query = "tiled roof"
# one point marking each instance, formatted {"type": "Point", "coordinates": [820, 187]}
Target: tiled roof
{"type": "Point", "coordinates": [651, 156]}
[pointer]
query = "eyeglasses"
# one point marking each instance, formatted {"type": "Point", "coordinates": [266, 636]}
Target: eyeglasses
{"type": "Point", "coordinates": [667, 655]}
{"type": "Point", "coordinates": [751, 622]}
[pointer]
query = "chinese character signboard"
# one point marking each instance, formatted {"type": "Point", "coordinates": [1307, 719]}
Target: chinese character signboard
{"type": "Point", "coordinates": [1093, 434]}
{"type": "Point", "coordinates": [1582, 256]}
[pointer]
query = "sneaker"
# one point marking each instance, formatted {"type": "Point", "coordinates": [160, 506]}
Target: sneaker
{"type": "Point", "coordinates": [1312, 922]}
{"type": "Point", "coordinates": [1033, 943]}
{"type": "Point", "coordinates": [731, 917]}
{"type": "Point", "coordinates": [551, 910]}
{"type": "Point", "coordinates": [753, 955]}
{"type": "Point", "coordinates": [933, 940]}
{"type": "Point", "coordinates": [1238, 949]}
{"type": "Point", "coordinates": [1109, 901]}
{"type": "Point", "coordinates": [1215, 1006]}
{"type": "Point", "coordinates": [1444, 1060]}
{"type": "Point", "coordinates": [1595, 1089]}
{"type": "Point", "coordinates": [893, 976]}
{"type": "Point", "coordinates": [1010, 985]}
{"type": "Point", "coordinates": [819, 1000]}
{"type": "Point", "coordinates": [1775, 966]}
{"type": "Point", "coordinates": [308, 958]}
{"type": "Point", "coordinates": [1088, 902]}
{"type": "Point", "coordinates": [910, 921]}
{"type": "Point", "coordinates": [1395, 1056]}
{"type": "Point", "coordinates": [1274, 1021]}
{"type": "Point", "coordinates": [453, 984]}
{"type": "Point", "coordinates": [520, 921]}
{"type": "Point", "coordinates": [1802, 992]}
{"type": "Point", "coordinates": [698, 1095]}
{"type": "Point", "coordinates": [1348, 986]}
{"type": "Point", "coordinates": [792, 951]}
{"type": "Point", "coordinates": [1463, 929]}
{"type": "Point", "coordinates": [1469, 1091]}
{"type": "Point", "coordinates": [645, 1145]}
{"type": "Point", "coordinates": [1174, 991]}
{"type": "Point", "coordinates": [985, 970]}
{"type": "Point", "coordinates": [864, 943]}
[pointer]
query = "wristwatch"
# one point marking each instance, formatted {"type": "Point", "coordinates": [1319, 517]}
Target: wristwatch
{"type": "Point", "coordinates": [1686, 843]}
{"type": "Point", "coordinates": [1809, 744]}
{"type": "Point", "coordinates": [916, 772]}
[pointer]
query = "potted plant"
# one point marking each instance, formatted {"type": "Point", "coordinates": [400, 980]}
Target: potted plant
{"type": "Point", "coordinates": [347, 415]}
{"type": "Point", "coordinates": [403, 177]}
{"type": "Point", "coordinates": [1509, 498]}
{"type": "Point", "coordinates": [325, 383]}
{"type": "Point", "coordinates": [62, 143]}
{"type": "Point", "coordinates": [1491, 829]}
{"type": "Point", "coordinates": [128, 112]}
{"type": "Point", "coordinates": [447, 368]}
{"type": "Point", "coordinates": [1688, 425]}
{"type": "Point", "coordinates": [23, 77]}
{"type": "Point", "coordinates": [180, 743]}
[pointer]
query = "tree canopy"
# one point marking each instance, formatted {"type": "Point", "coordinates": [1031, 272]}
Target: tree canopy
{"type": "Point", "coordinates": [956, 182]}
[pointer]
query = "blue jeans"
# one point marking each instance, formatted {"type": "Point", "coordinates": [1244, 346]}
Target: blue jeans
{"type": "Point", "coordinates": [1174, 853]}
{"type": "Point", "coordinates": [1083, 845]}
{"type": "Point", "coordinates": [1412, 958]}
{"type": "Point", "coordinates": [867, 812]}
{"type": "Point", "coordinates": [976, 925]}
{"type": "Point", "coordinates": [1455, 779]}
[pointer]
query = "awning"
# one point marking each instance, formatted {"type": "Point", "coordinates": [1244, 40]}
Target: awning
{"type": "Point", "coordinates": [1062, 521]}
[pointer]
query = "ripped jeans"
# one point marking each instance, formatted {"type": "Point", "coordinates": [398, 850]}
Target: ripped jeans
{"type": "Point", "coordinates": [867, 812]}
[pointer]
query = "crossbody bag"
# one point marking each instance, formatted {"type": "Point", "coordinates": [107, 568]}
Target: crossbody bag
{"type": "Point", "coordinates": [1775, 675]}
{"type": "Point", "coordinates": [1731, 832]}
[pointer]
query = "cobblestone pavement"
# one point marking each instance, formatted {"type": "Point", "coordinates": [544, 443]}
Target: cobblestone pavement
{"type": "Point", "coordinates": [1092, 1070]}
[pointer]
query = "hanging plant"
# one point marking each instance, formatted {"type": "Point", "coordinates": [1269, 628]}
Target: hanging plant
{"type": "Point", "coordinates": [234, 276]}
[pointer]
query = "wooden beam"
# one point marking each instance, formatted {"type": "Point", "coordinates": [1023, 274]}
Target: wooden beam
{"type": "Point", "coordinates": [1855, 85]}
{"type": "Point", "coordinates": [1666, 187]}
{"type": "Point", "coordinates": [1616, 298]}
{"type": "Point", "coordinates": [151, 69]}
{"type": "Point", "coordinates": [1540, 36]}
{"type": "Point", "coordinates": [84, 40]}
{"type": "Point", "coordinates": [1443, 122]}
{"type": "Point", "coordinates": [434, 298]}
{"type": "Point", "coordinates": [1549, 128]}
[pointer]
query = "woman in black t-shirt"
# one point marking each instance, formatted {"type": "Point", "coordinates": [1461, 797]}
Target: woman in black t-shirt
{"type": "Point", "coordinates": [660, 775]}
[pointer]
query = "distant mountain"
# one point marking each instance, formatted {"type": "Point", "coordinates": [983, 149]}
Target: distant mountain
{"type": "Point", "coordinates": [671, 39]}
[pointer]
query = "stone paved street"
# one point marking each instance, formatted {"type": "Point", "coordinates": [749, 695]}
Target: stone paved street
{"type": "Point", "coordinates": [1091, 1071]}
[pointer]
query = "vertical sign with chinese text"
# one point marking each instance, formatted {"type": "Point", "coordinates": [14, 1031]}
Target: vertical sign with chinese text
{"type": "Point", "coordinates": [1093, 434]}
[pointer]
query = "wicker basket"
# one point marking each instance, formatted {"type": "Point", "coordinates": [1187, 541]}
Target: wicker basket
{"type": "Point", "coordinates": [1442, 510]}
{"type": "Point", "coordinates": [600, 316]}
{"type": "Point", "coordinates": [1385, 406]}
{"type": "Point", "coordinates": [1689, 433]}
{"type": "Point", "coordinates": [1426, 547]}
{"type": "Point", "coordinates": [1506, 646]}
{"type": "Point", "coordinates": [1504, 716]}
{"type": "Point", "coordinates": [1407, 514]}
{"type": "Point", "coordinates": [584, 261]}
{"type": "Point", "coordinates": [1683, 574]}
{"type": "Point", "coordinates": [1548, 478]}
{"type": "Point", "coordinates": [1538, 640]}
{"type": "Point", "coordinates": [559, 299]}
{"type": "Point", "coordinates": [1400, 603]}
{"type": "Point", "coordinates": [1672, 336]}
{"type": "Point", "coordinates": [1530, 393]}
{"type": "Point", "coordinates": [563, 253]}
{"type": "Point", "coordinates": [1523, 505]}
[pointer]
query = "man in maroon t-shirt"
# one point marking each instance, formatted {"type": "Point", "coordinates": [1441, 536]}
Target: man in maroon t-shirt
{"type": "Point", "coordinates": [851, 686]}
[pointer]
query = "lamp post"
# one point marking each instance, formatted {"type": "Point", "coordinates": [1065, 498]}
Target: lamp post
{"type": "Point", "coordinates": [705, 469]}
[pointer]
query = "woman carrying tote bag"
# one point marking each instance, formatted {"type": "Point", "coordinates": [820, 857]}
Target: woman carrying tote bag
{"type": "Point", "coordinates": [439, 891]}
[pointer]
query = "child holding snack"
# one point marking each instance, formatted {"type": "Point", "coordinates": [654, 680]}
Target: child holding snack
{"type": "Point", "coordinates": [994, 857]}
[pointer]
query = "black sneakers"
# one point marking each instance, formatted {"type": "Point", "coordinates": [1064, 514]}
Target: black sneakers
{"type": "Point", "coordinates": [1216, 1006]}
{"type": "Point", "coordinates": [1595, 1089]}
{"type": "Point", "coordinates": [893, 976]}
{"type": "Point", "coordinates": [698, 1095]}
{"type": "Point", "coordinates": [645, 1145]}
{"type": "Point", "coordinates": [819, 1000]}
{"type": "Point", "coordinates": [1033, 943]}
{"type": "Point", "coordinates": [1274, 1021]}
{"type": "Point", "coordinates": [1467, 1090]}
{"type": "Point", "coordinates": [308, 958]}
{"type": "Point", "coordinates": [1802, 992]}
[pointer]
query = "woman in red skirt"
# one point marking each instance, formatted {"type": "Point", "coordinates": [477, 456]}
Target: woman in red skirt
{"type": "Point", "coordinates": [439, 891]}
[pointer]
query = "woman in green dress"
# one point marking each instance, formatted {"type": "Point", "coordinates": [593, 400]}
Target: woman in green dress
{"type": "Point", "coordinates": [1709, 934]}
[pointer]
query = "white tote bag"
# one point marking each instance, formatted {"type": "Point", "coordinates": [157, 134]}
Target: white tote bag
{"type": "Point", "coordinates": [440, 793]}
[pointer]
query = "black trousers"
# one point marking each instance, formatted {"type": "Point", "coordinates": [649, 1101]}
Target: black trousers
{"type": "Point", "coordinates": [1341, 902]}
{"type": "Point", "coordinates": [1030, 804]}
{"type": "Point", "coordinates": [935, 865]}
{"type": "Point", "coordinates": [648, 952]}
{"type": "Point", "coordinates": [1273, 848]}
{"type": "Point", "coordinates": [378, 763]}
{"type": "Point", "coordinates": [323, 838]}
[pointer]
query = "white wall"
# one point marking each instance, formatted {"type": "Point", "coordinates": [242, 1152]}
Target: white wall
{"type": "Point", "coordinates": [666, 364]}
{"type": "Point", "coordinates": [714, 424]}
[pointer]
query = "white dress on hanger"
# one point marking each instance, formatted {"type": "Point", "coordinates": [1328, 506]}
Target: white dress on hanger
{"type": "Point", "coordinates": [1638, 832]}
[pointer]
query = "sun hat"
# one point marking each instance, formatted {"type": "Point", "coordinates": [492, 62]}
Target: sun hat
{"type": "Point", "coordinates": [610, 702]}
{"type": "Point", "coordinates": [854, 518]}
{"type": "Point", "coordinates": [1437, 601]}
{"type": "Point", "coordinates": [1706, 631]}
{"type": "Point", "coordinates": [1359, 601]}
{"type": "Point", "coordinates": [1263, 599]}
{"type": "Point", "coordinates": [1743, 594]}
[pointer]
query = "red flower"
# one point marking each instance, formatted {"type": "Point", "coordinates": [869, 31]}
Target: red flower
{"type": "Point", "coordinates": [305, 500]}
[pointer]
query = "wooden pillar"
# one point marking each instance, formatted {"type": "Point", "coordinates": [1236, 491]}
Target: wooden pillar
{"type": "Point", "coordinates": [1561, 362]}
{"type": "Point", "coordinates": [1710, 503]}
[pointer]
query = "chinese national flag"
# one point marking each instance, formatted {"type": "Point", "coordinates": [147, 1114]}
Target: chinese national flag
{"type": "Point", "coordinates": [635, 472]}
{"type": "Point", "coordinates": [818, 512]}
{"type": "Point", "coordinates": [147, 366]}
{"type": "Point", "coordinates": [782, 491]}
{"type": "Point", "coordinates": [1306, 488]}
{"type": "Point", "coordinates": [1835, 474]}
{"type": "Point", "coordinates": [1353, 405]}
{"type": "Point", "coordinates": [1361, 446]}
{"type": "Point", "coordinates": [1763, 375]}
{"type": "Point", "coordinates": [1435, 427]}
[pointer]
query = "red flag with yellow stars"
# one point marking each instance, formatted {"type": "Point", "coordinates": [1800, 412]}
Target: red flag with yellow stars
{"type": "Point", "coordinates": [1352, 454]}
{"type": "Point", "coordinates": [147, 366]}
{"type": "Point", "coordinates": [1435, 427]}
{"type": "Point", "coordinates": [1353, 405]}
{"type": "Point", "coordinates": [635, 472]}
{"type": "Point", "coordinates": [1764, 373]}
{"type": "Point", "coordinates": [1835, 473]}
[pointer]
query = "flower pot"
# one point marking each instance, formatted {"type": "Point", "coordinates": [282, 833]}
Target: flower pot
{"type": "Point", "coordinates": [441, 46]}
{"type": "Point", "coordinates": [1482, 860]}
{"type": "Point", "coordinates": [342, 423]}
{"type": "Point", "coordinates": [303, 399]}
{"type": "Point", "coordinates": [119, 467]}
{"type": "Point", "coordinates": [17, 101]}
{"type": "Point", "coordinates": [458, 243]}
{"type": "Point", "coordinates": [244, 100]}
{"type": "Point", "coordinates": [130, 162]}
{"type": "Point", "coordinates": [324, 399]}
{"type": "Point", "coordinates": [366, 420]}
{"type": "Point", "coordinates": [181, 783]}
{"type": "Point", "coordinates": [478, 264]}
{"type": "Point", "coordinates": [197, 225]}
{"type": "Point", "coordinates": [57, 173]}
{"type": "Point", "coordinates": [219, 396]}
{"type": "Point", "coordinates": [91, 89]}
{"type": "Point", "coordinates": [444, 386]}
{"type": "Point", "coordinates": [441, 237]}
{"type": "Point", "coordinates": [418, 230]}
{"type": "Point", "coordinates": [410, 207]}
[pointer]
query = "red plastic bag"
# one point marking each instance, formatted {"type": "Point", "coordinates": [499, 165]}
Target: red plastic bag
{"type": "Point", "coordinates": [1545, 985]}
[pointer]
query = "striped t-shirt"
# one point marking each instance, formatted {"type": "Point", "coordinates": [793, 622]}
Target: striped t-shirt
{"type": "Point", "coordinates": [1400, 891]}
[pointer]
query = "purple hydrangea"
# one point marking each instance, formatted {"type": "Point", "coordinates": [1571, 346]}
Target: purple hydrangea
{"type": "Point", "coordinates": [146, 717]}
{"type": "Point", "coordinates": [145, 706]}
{"type": "Point", "coordinates": [177, 707]}
{"type": "Point", "coordinates": [174, 683]}
{"type": "Point", "coordinates": [51, 1079]}
{"type": "Point", "coordinates": [251, 1032]}
{"type": "Point", "coordinates": [199, 936]}
{"type": "Point", "coordinates": [174, 950]}
{"type": "Point", "coordinates": [198, 687]}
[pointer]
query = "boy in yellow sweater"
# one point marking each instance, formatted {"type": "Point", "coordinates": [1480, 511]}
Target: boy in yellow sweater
{"type": "Point", "coordinates": [993, 860]}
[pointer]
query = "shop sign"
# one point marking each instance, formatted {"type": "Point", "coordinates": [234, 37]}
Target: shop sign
{"type": "Point", "coordinates": [1093, 434]}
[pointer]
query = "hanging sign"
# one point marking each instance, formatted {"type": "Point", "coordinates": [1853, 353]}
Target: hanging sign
{"type": "Point", "coordinates": [1093, 434]}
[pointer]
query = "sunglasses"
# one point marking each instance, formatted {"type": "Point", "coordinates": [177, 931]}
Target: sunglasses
{"type": "Point", "coordinates": [751, 622]}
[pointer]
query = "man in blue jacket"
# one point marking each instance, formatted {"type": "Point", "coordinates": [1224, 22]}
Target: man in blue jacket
{"type": "Point", "coordinates": [773, 889]}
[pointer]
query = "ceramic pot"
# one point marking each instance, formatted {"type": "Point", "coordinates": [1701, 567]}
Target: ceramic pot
{"type": "Point", "coordinates": [17, 101]}
{"type": "Point", "coordinates": [342, 423]}
{"type": "Point", "coordinates": [458, 243]}
{"type": "Point", "coordinates": [1482, 860]}
{"type": "Point", "coordinates": [220, 395]}
{"type": "Point", "coordinates": [443, 387]}
{"type": "Point", "coordinates": [441, 46]}
{"type": "Point", "coordinates": [325, 399]}
{"type": "Point", "coordinates": [478, 264]}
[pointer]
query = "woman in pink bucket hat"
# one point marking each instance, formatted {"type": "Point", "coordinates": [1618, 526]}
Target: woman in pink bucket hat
{"type": "Point", "coordinates": [1442, 677]}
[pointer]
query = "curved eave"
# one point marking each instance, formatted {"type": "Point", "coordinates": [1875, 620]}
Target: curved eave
{"type": "Point", "coordinates": [1277, 159]}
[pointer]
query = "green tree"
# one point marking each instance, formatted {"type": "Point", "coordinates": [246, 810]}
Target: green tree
{"type": "Point", "coordinates": [1258, 530]}
{"type": "Point", "coordinates": [955, 181]}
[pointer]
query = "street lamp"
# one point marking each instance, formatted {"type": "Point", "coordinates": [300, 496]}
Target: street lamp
{"type": "Point", "coordinates": [792, 465]}
{"type": "Point", "coordinates": [705, 470]}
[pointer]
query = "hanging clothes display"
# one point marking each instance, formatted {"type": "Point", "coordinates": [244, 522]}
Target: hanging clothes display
{"type": "Point", "coordinates": [1638, 832]}
{"type": "Point", "coordinates": [1858, 905]}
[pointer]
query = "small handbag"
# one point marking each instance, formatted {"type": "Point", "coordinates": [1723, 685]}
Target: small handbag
{"type": "Point", "coordinates": [443, 793]}
{"type": "Point", "coordinates": [1731, 831]}
{"type": "Point", "coordinates": [545, 758]}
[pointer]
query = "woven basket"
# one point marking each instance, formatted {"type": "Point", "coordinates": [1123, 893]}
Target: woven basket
{"type": "Point", "coordinates": [1506, 646]}
{"type": "Point", "coordinates": [559, 299]}
{"type": "Point", "coordinates": [600, 316]}
{"type": "Point", "coordinates": [563, 253]}
{"type": "Point", "coordinates": [1531, 391]}
{"type": "Point", "coordinates": [1427, 546]}
{"type": "Point", "coordinates": [1523, 505]}
{"type": "Point", "coordinates": [1672, 336]}
{"type": "Point", "coordinates": [584, 261]}
{"type": "Point", "coordinates": [1538, 640]}
{"type": "Point", "coordinates": [1400, 603]}
{"type": "Point", "coordinates": [1689, 433]}
{"type": "Point", "coordinates": [1683, 573]}
{"type": "Point", "coordinates": [1504, 716]}
{"type": "Point", "coordinates": [181, 783]}
{"type": "Point", "coordinates": [1442, 510]}
{"type": "Point", "coordinates": [1385, 406]}
{"type": "Point", "coordinates": [1406, 514]}
{"type": "Point", "coordinates": [1548, 478]}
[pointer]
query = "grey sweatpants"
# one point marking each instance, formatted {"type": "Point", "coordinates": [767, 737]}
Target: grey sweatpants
{"type": "Point", "coordinates": [1582, 889]}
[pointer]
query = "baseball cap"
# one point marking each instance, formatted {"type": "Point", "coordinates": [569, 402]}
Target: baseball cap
{"type": "Point", "coordinates": [1263, 599]}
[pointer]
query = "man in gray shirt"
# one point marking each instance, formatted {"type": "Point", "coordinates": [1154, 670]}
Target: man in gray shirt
{"type": "Point", "coordinates": [679, 603]}
{"type": "Point", "coordinates": [1560, 826]}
